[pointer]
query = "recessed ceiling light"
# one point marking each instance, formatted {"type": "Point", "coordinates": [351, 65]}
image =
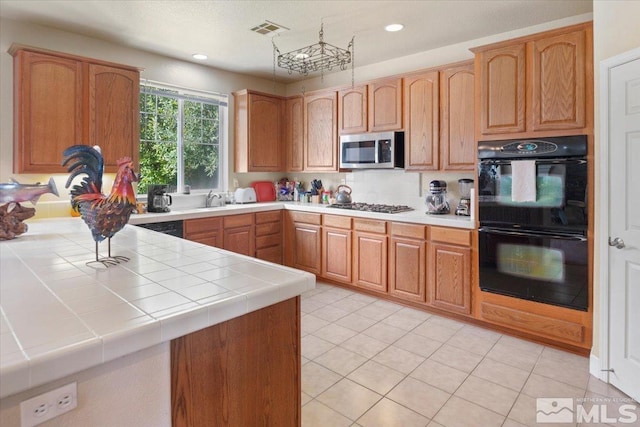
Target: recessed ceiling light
{"type": "Point", "coordinates": [394, 27]}
{"type": "Point", "coordinates": [199, 56]}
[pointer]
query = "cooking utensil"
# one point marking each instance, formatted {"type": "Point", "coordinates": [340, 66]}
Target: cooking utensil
{"type": "Point", "coordinates": [344, 196]}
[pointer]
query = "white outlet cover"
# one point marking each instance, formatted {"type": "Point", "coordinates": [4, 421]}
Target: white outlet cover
{"type": "Point", "coordinates": [48, 405]}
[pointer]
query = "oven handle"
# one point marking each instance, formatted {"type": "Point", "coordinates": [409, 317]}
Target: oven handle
{"type": "Point", "coordinates": [538, 161]}
{"type": "Point", "coordinates": [574, 237]}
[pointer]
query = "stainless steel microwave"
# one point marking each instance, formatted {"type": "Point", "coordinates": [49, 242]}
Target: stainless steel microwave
{"type": "Point", "coordinates": [383, 150]}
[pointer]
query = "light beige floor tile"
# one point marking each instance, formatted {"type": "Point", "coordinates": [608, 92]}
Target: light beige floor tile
{"type": "Point", "coordinates": [315, 414]}
{"type": "Point", "coordinates": [311, 323]}
{"type": "Point", "coordinates": [349, 398]}
{"type": "Point", "coordinates": [399, 359]}
{"type": "Point", "coordinates": [364, 345]}
{"type": "Point", "coordinates": [600, 387]}
{"type": "Point", "coordinates": [500, 373]}
{"type": "Point", "coordinates": [435, 424]}
{"type": "Point", "coordinates": [458, 412]}
{"type": "Point", "coordinates": [445, 321]}
{"type": "Point", "coordinates": [406, 318]}
{"type": "Point", "coordinates": [565, 356]}
{"type": "Point", "coordinates": [418, 396]}
{"type": "Point", "coordinates": [305, 398]}
{"type": "Point", "coordinates": [313, 346]}
{"type": "Point", "coordinates": [563, 371]}
{"type": "Point", "coordinates": [385, 333]}
{"type": "Point", "coordinates": [418, 344]}
{"type": "Point", "coordinates": [524, 412]}
{"type": "Point", "coordinates": [434, 331]}
{"type": "Point", "coordinates": [513, 356]}
{"type": "Point", "coordinates": [335, 334]}
{"type": "Point", "coordinates": [539, 386]}
{"type": "Point", "coordinates": [521, 344]}
{"type": "Point", "coordinates": [511, 423]}
{"type": "Point", "coordinates": [309, 305]}
{"type": "Point", "coordinates": [477, 344]}
{"type": "Point", "coordinates": [340, 360]}
{"type": "Point", "coordinates": [376, 377]}
{"type": "Point", "coordinates": [387, 413]}
{"type": "Point", "coordinates": [487, 395]}
{"type": "Point", "coordinates": [375, 312]}
{"type": "Point", "coordinates": [316, 379]}
{"type": "Point", "coordinates": [350, 304]}
{"type": "Point", "coordinates": [456, 358]}
{"type": "Point", "coordinates": [356, 322]}
{"type": "Point", "coordinates": [481, 332]}
{"type": "Point", "coordinates": [330, 313]}
{"type": "Point", "coordinates": [330, 297]}
{"type": "Point", "coordinates": [438, 375]}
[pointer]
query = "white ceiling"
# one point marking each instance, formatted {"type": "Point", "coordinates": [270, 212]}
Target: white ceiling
{"type": "Point", "coordinates": [221, 29]}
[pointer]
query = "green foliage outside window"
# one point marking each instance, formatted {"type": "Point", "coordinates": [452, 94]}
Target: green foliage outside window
{"type": "Point", "coordinates": [160, 140]}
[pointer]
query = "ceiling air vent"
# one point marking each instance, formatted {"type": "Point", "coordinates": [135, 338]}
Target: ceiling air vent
{"type": "Point", "coordinates": [269, 28]}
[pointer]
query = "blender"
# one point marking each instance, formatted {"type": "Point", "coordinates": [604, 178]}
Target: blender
{"type": "Point", "coordinates": [464, 188]}
{"type": "Point", "coordinates": [436, 200]}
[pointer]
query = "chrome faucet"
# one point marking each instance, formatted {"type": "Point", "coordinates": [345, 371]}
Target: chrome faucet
{"type": "Point", "coordinates": [210, 197]}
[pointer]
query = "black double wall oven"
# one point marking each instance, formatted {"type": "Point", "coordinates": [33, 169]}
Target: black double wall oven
{"type": "Point", "coordinates": [533, 212]}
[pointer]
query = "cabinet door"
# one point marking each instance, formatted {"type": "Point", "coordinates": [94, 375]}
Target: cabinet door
{"type": "Point", "coordinates": [407, 258]}
{"type": "Point", "coordinates": [558, 82]}
{"type": "Point", "coordinates": [421, 115]}
{"type": "Point", "coordinates": [450, 276]}
{"type": "Point", "coordinates": [294, 134]}
{"type": "Point", "coordinates": [385, 105]}
{"type": "Point", "coordinates": [336, 253]}
{"type": "Point", "coordinates": [48, 111]}
{"type": "Point", "coordinates": [265, 127]}
{"type": "Point", "coordinates": [352, 110]}
{"type": "Point", "coordinates": [458, 149]}
{"type": "Point", "coordinates": [204, 230]}
{"type": "Point", "coordinates": [321, 132]}
{"type": "Point", "coordinates": [240, 240]}
{"type": "Point", "coordinates": [502, 90]}
{"type": "Point", "coordinates": [114, 113]}
{"type": "Point", "coordinates": [307, 251]}
{"type": "Point", "coordinates": [370, 261]}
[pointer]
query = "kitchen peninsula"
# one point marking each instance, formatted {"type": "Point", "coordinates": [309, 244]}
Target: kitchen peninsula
{"type": "Point", "coordinates": [225, 315]}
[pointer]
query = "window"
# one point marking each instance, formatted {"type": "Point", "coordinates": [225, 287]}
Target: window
{"type": "Point", "coordinates": [182, 137]}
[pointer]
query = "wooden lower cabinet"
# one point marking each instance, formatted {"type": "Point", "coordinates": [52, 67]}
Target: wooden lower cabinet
{"type": "Point", "coordinates": [450, 277]}
{"type": "Point", "coordinates": [269, 236]}
{"type": "Point", "coordinates": [407, 262]}
{"type": "Point", "coordinates": [207, 231]}
{"type": "Point", "coordinates": [303, 241]}
{"type": "Point", "coordinates": [336, 248]}
{"type": "Point", "coordinates": [370, 261]}
{"type": "Point", "coordinates": [242, 372]}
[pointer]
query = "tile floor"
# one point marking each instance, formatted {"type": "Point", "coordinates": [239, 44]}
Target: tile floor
{"type": "Point", "coordinates": [369, 362]}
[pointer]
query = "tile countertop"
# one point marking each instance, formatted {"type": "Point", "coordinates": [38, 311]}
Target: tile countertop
{"type": "Point", "coordinates": [417, 216]}
{"type": "Point", "coordinates": [58, 316]}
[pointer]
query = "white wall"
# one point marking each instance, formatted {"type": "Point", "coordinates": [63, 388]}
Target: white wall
{"type": "Point", "coordinates": [615, 30]}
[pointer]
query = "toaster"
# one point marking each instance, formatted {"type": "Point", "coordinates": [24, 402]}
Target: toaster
{"type": "Point", "coordinates": [245, 195]}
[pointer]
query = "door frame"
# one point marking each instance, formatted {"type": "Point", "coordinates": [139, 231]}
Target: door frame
{"type": "Point", "coordinates": [597, 367]}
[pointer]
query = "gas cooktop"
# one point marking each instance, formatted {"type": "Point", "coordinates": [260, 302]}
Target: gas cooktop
{"type": "Point", "coordinates": [368, 207]}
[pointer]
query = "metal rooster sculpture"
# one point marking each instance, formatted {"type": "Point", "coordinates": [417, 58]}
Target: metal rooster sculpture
{"type": "Point", "coordinates": [104, 215]}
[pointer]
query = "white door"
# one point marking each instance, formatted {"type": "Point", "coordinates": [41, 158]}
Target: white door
{"type": "Point", "coordinates": [624, 224]}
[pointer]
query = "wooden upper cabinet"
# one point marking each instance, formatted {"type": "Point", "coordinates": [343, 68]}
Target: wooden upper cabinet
{"type": "Point", "coordinates": [385, 104]}
{"type": "Point", "coordinates": [114, 111]}
{"type": "Point", "coordinates": [558, 82]}
{"type": "Point", "coordinates": [294, 134]}
{"type": "Point", "coordinates": [458, 149]}
{"type": "Point", "coordinates": [62, 100]}
{"type": "Point", "coordinates": [352, 110]}
{"type": "Point", "coordinates": [321, 131]}
{"type": "Point", "coordinates": [540, 83]}
{"type": "Point", "coordinates": [258, 132]}
{"type": "Point", "coordinates": [421, 123]}
{"type": "Point", "coordinates": [501, 80]}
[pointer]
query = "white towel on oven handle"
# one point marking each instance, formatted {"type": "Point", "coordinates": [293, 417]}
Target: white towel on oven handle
{"type": "Point", "coordinates": [523, 181]}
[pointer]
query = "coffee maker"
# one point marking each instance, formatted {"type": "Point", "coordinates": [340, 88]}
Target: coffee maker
{"type": "Point", "coordinates": [464, 188]}
{"type": "Point", "coordinates": [436, 200]}
{"type": "Point", "coordinates": [157, 198]}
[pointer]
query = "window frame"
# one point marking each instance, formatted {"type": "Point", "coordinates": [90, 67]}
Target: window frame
{"type": "Point", "coordinates": [188, 94]}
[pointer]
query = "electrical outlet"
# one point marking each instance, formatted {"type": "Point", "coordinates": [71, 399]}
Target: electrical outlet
{"type": "Point", "coordinates": [48, 405]}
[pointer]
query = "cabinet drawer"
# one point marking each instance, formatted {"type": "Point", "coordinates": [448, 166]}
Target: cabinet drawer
{"type": "Point", "coordinates": [408, 230]}
{"type": "Point", "coordinates": [268, 228]}
{"type": "Point", "coordinates": [370, 225]}
{"type": "Point", "coordinates": [453, 236]}
{"type": "Point", "coordinates": [232, 221]}
{"type": "Point", "coordinates": [271, 216]}
{"type": "Point", "coordinates": [266, 241]}
{"type": "Point", "coordinates": [336, 221]}
{"type": "Point", "coordinates": [203, 225]}
{"type": "Point", "coordinates": [307, 218]}
{"type": "Point", "coordinates": [541, 325]}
